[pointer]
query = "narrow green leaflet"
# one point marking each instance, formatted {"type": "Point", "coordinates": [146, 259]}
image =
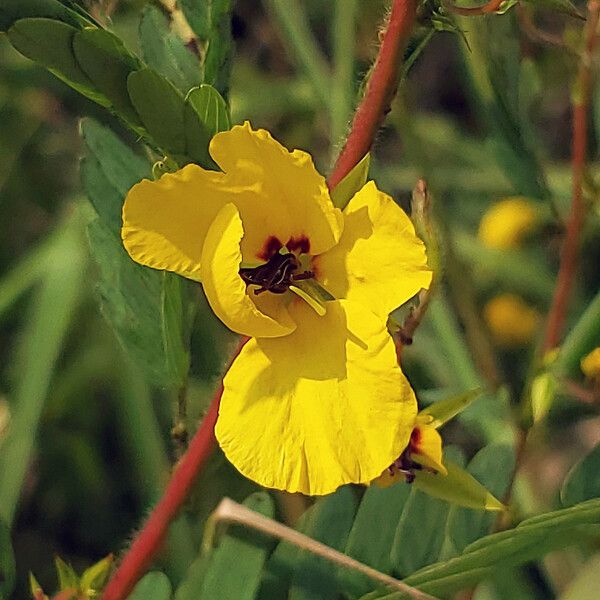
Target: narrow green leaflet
{"type": "Point", "coordinates": [160, 108]}
{"type": "Point", "coordinates": [351, 183]}
{"type": "Point", "coordinates": [442, 411]}
{"type": "Point", "coordinates": [583, 480]}
{"type": "Point", "coordinates": [146, 308]}
{"type": "Point", "coordinates": [205, 113]}
{"type": "Point", "coordinates": [13, 10]}
{"type": "Point", "coordinates": [372, 534]}
{"type": "Point", "coordinates": [165, 52]}
{"type": "Point", "coordinates": [330, 524]}
{"type": "Point", "coordinates": [493, 467]}
{"type": "Point", "coordinates": [7, 563]}
{"type": "Point", "coordinates": [107, 63]}
{"type": "Point", "coordinates": [154, 586]}
{"type": "Point", "coordinates": [457, 487]}
{"type": "Point", "coordinates": [235, 569]}
{"type": "Point", "coordinates": [67, 577]}
{"type": "Point", "coordinates": [50, 43]}
{"type": "Point", "coordinates": [528, 541]}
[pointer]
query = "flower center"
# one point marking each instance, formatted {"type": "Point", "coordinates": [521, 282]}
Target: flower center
{"type": "Point", "coordinates": [276, 275]}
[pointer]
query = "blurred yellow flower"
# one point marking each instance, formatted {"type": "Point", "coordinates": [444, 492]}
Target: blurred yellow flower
{"type": "Point", "coordinates": [590, 364]}
{"type": "Point", "coordinates": [512, 322]}
{"type": "Point", "coordinates": [508, 222]}
{"type": "Point", "coordinates": [316, 398]}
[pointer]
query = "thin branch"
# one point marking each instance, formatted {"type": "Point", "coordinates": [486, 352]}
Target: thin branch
{"type": "Point", "coordinates": [570, 249]}
{"type": "Point", "coordinates": [149, 540]}
{"type": "Point", "coordinates": [232, 512]}
{"type": "Point", "coordinates": [380, 91]}
{"type": "Point", "coordinates": [489, 7]}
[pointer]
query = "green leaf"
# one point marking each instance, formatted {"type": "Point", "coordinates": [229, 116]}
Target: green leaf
{"type": "Point", "coordinates": [13, 10]}
{"type": "Point", "coordinates": [122, 167]}
{"type": "Point", "coordinates": [330, 523]}
{"type": "Point", "coordinates": [493, 467]}
{"type": "Point", "coordinates": [351, 183]}
{"type": "Point", "coordinates": [160, 107]}
{"type": "Point", "coordinates": [195, 576]}
{"type": "Point", "coordinates": [457, 487]}
{"type": "Point", "coordinates": [236, 566]}
{"type": "Point", "coordinates": [154, 586]}
{"type": "Point", "coordinates": [211, 21]}
{"type": "Point", "coordinates": [146, 308]}
{"type": "Point", "coordinates": [372, 535]}
{"type": "Point", "coordinates": [50, 43]}
{"type": "Point", "coordinates": [165, 52]}
{"type": "Point", "coordinates": [205, 114]}
{"type": "Point", "coordinates": [107, 63]}
{"type": "Point", "coordinates": [444, 410]}
{"type": "Point", "coordinates": [582, 481]}
{"type": "Point", "coordinates": [67, 578]}
{"type": "Point", "coordinates": [7, 562]}
{"type": "Point", "coordinates": [420, 533]}
{"type": "Point", "coordinates": [528, 541]}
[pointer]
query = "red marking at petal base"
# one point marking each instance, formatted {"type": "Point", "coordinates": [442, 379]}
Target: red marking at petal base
{"type": "Point", "coordinates": [415, 439]}
{"type": "Point", "coordinates": [301, 245]}
{"type": "Point", "coordinates": [270, 248]}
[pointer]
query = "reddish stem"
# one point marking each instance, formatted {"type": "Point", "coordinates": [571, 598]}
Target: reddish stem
{"type": "Point", "coordinates": [149, 540]}
{"type": "Point", "coordinates": [380, 91]}
{"type": "Point", "coordinates": [570, 249]}
{"type": "Point", "coordinates": [369, 116]}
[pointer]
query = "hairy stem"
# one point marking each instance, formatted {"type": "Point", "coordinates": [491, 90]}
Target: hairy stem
{"type": "Point", "coordinates": [570, 249]}
{"type": "Point", "coordinates": [380, 91]}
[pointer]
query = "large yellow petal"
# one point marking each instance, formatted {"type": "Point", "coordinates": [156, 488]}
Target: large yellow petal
{"type": "Point", "coordinates": [296, 191]}
{"type": "Point", "coordinates": [165, 221]}
{"type": "Point", "coordinates": [225, 289]}
{"type": "Point", "coordinates": [321, 407]}
{"type": "Point", "coordinates": [426, 447]}
{"type": "Point", "coordinates": [379, 261]}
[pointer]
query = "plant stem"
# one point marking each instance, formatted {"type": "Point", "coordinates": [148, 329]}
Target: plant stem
{"type": "Point", "coordinates": [570, 249]}
{"type": "Point", "coordinates": [370, 114]}
{"type": "Point", "coordinates": [380, 91]}
{"type": "Point", "coordinates": [149, 540]}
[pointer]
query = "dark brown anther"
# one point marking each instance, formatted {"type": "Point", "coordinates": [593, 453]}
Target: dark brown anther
{"type": "Point", "coordinates": [276, 275]}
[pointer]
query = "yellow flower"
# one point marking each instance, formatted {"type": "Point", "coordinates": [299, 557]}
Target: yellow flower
{"type": "Point", "coordinates": [421, 463]}
{"type": "Point", "coordinates": [512, 322]}
{"type": "Point", "coordinates": [508, 222]}
{"type": "Point", "coordinates": [316, 398]}
{"type": "Point", "coordinates": [590, 365]}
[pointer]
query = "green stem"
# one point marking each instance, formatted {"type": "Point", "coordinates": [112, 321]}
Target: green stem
{"type": "Point", "coordinates": [583, 338]}
{"type": "Point", "coordinates": [302, 45]}
{"type": "Point", "coordinates": [344, 40]}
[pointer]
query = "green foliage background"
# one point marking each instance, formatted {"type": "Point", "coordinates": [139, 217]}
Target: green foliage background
{"type": "Point", "coordinates": [481, 115]}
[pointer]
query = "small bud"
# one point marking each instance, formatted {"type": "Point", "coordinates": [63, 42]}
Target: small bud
{"type": "Point", "coordinates": [508, 222]}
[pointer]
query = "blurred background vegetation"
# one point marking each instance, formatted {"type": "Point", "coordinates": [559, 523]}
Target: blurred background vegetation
{"type": "Point", "coordinates": [102, 449]}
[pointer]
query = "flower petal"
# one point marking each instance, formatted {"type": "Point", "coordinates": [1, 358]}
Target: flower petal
{"type": "Point", "coordinates": [379, 261]}
{"type": "Point", "coordinates": [225, 289]}
{"type": "Point", "coordinates": [321, 407]}
{"type": "Point", "coordinates": [294, 187]}
{"type": "Point", "coordinates": [426, 447]}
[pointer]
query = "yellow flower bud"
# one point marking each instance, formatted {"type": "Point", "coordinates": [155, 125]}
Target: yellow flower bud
{"type": "Point", "coordinates": [512, 322]}
{"type": "Point", "coordinates": [508, 222]}
{"type": "Point", "coordinates": [590, 364]}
